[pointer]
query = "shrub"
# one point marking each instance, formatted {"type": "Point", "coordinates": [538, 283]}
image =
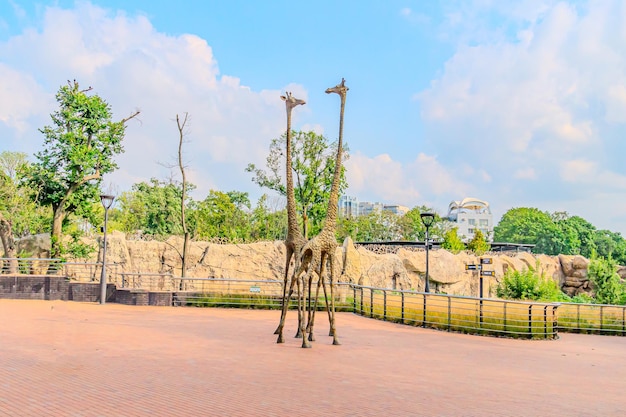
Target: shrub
{"type": "Point", "coordinates": [478, 244]}
{"type": "Point", "coordinates": [529, 285]}
{"type": "Point", "coordinates": [452, 242]}
{"type": "Point", "coordinates": [582, 299]}
{"type": "Point", "coordinates": [608, 287]}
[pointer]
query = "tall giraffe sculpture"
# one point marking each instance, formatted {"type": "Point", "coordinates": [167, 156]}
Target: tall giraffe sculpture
{"type": "Point", "coordinates": [323, 247]}
{"type": "Point", "coordinates": [295, 241]}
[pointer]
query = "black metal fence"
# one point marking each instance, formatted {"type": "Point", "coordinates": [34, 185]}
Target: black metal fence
{"type": "Point", "coordinates": [592, 318]}
{"type": "Point", "coordinates": [460, 314]}
{"type": "Point", "coordinates": [446, 312]}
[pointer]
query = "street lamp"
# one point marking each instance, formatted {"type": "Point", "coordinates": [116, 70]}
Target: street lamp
{"type": "Point", "coordinates": [427, 219]}
{"type": "Point", "coordinates": [107, 202]}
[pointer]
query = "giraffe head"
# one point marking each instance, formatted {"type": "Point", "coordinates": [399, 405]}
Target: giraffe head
{"type": "Point", "coordinates": [291, 101]}
{"type": "Point", "coordinates": [340, 88]}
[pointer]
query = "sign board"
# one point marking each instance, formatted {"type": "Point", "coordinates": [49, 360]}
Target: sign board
{"type": "Point", "coordinates": [255, 289]}
{"type": "Point", "coordinates": [486, 261]}
{"type": "Point", "coordinates": [488, 273]}
{"type": "Point", "coordinates": [472, 267]}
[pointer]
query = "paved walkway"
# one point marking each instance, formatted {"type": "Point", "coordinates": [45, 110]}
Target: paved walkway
{"type": "Point", "coordinates": [78, 359]}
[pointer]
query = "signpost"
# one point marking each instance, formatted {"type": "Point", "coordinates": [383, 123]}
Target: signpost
{"type": "Point", "coordinates": [479, 267]}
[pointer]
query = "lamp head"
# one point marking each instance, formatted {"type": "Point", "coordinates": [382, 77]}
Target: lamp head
{"type": "Point", "coordinates": [107, 200]}
{"type": "Point", "coordinates": [428, 219]}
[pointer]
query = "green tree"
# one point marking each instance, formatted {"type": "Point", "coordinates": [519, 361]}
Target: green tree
{"type": "Point", "coordinates": [412, 227]}
{"type": "Point", "coordinates": [19, 215]}
{"type": "Point", "coordinates": [607, 285]}
{"type": "Point", "coordinates": [585, 232]}
{"type": "Point", "coordinates": [153, 208]}
{"type": "Point", "coordinates": [452, 242]}
{"type": "Point", "coordinates": [522, 225]}
{"type": "Point", "coordinates": [268, 224]}
{"type": "Point", "coordinates": [530, 226]}
{"type": "Point", "coordinates": [223, 216]}
{"type": "Point", "coordinates": [478, 244]}
{"type": "Point", "coordinates": [313, 163]}
{"type": "Point", "coordinates": [610, 245]}
{"type": "Point", "coordinates": [79, 148]}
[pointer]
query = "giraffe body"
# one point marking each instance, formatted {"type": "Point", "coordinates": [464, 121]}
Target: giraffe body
{"type": "Point", "coordinates": [323, 247]}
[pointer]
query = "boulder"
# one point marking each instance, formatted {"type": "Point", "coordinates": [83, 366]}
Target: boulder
{"type": "Point", "coordinates": [405, 269]}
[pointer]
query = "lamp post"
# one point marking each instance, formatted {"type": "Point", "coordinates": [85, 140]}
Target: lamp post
{"type": "Point", "coordinates": [107, 202]}
{"type": "Point", "coordinates": [427, 219]}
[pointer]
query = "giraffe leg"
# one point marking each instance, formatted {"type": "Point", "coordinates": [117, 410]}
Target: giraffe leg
{"type": "Point", "coordinates": [320, 281]}
{"type": "Point", "coordinates": [302, 285]}
{"type": "Point", "coordinates": [301, 307]}
{"type": "Point", "coordinates": [312, 317]}
{"type": "Point", "coordinates": [285, 301]}
{"type": "Point", "coordinates": [333, 329]}
{"type": "Point", "coordinates": [281, 326]}
{"type": "Point", "coordinates": [330, 332]}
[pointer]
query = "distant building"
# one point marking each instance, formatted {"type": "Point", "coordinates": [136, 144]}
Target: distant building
{"type": "Point", "coordinates": [348, 206]}
{"type": "Point", "coordinates": [469, 215]}
{"type": "Point", "coordinates": [396, 209]}
{"type": "Point", "coordinates": [365, 208]}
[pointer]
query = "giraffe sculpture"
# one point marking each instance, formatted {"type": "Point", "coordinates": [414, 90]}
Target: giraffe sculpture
{"type": "Point", "coordinates": [295, 241]}
{"type": "Point", "coordinates": [323, 247]}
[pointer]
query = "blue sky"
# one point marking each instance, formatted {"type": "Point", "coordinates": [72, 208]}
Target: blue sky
{"type": "Point", "coordinates": [519, 103]}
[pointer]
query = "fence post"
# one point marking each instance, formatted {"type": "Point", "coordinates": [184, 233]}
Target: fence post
{"type": "Point", "coordinates": [555, 322]}
{"type": "Point", "coordinates": [353, 299]}
{"type": "Point", "coordinates": [371, 302]}
{"type": "Point", "coordinates": [385, 305]}
{"type": "Point", "coordinates": [449, 312]}
{"type": "Point", "coordinates": [505, 316]}
{"type": "Point", "coordinates": [545, 322]}
{"type": "Point", "coordinates": [601, 317]}
{"type": "Point", "coordinates": [424, 312]}
{"type": "Point", "coordinates": [530, 320]}
{"type": "Point", "coordinates": [402, 308]}
{"type": "Point", "coordinates": [362, 300]}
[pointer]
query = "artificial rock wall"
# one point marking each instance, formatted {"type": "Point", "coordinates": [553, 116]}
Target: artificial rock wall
{"type": "Point", "coordinates": [404, 269]}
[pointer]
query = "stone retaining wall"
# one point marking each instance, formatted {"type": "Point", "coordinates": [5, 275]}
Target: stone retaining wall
{"type": "Point", "coordinates": [51, 287]}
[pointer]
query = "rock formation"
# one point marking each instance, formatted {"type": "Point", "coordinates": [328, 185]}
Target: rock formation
{"type": "Point", "coordinates": [404, 269]}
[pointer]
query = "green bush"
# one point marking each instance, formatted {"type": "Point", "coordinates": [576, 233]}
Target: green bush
{"type": "Point", "coordinates": [529, 285]}
{"type": "Point", "coordinates": [478, 244]}
{"type": "Point", "coordinates": [452, 242]}
{"type": "Point", "coordinates": [608, 287]}
{"type": "Point", "coordinates": [582, 299]}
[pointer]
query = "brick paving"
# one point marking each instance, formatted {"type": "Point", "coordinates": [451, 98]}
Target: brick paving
{"type": "Point", "coordinates": [80, 359]}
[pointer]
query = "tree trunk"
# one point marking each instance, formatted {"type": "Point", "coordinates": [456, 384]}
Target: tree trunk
{"type": "Point", "coordinates": [55, 237]}
{"type": "Point", "coordinates": [183, 271]}
{"type": "Point", "coordinates": [8, 243]}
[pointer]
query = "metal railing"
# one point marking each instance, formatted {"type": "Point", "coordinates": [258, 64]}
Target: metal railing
{"type": "Point", "coordinates": [30, 266]}
{"type": "Point", "coordinates": [146, 281]}
{"type": "Point", "coordinates": [263, 294]}
{"type": "Point", "coordinates": [75, 271]}
{"type": "Point", "coordinates": [440, 311]}
{"type": "Point", "coordinates": [457, 313]}
{"type": "Point", "coordinates": [592, 318]}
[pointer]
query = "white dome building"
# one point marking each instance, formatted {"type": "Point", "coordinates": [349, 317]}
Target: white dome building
{"type": "Point", "coordinates": [469, 215]}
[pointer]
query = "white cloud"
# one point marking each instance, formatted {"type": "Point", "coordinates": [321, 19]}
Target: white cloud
{"type": "Point", "coordinates": [538, 97]}
{"type": "Point", "coordinates": [406, 184]}
{"type": "Point", "coordinates": [132, 65]}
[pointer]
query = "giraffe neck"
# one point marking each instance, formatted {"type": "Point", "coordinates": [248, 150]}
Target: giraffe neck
{"type": "Point", "coordinates": [331, 211]}
{"type": "Point", "coordinates": [292, 220]}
